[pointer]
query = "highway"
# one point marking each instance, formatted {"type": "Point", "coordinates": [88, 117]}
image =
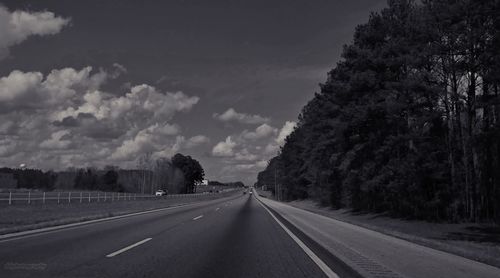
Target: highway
{"type": "Point", "coordinates": [236, 236]}
{"type": "Point", "coordinates": [230, 237]}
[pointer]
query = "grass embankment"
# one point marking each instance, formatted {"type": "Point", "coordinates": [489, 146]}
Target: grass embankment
{"type": "Point", "coordinates": [480, 242]}
{"type": "Point", "coordinates": [16, 218]}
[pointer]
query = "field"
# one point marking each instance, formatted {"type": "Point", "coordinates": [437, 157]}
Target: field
{"type": "Point", "coordinates": [16, 218]}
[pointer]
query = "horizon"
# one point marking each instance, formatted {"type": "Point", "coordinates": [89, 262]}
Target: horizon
{"type": "Point", "coordinates": [204, 79]}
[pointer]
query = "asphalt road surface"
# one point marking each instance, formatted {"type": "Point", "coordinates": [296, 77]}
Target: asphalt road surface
{"type": "Point", "coordinates": [235, 236]}
{"type": "Point", "coordinates": [373, 254]}
{"type": "Point", "coordinates": [231, 237]}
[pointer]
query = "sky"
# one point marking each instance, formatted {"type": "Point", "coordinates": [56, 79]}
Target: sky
{"type": "Point", "coordinates": [94, 83]}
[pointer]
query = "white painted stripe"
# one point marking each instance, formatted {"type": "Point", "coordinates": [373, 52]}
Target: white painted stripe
{"type": "Point", "coordinates": [217, 209]}
{"type": "Point", "coordinates": [327, 270]}
{"type": "Point", "coordinates": [36, 232]}
{"type": "Point", "coordinates": [198, 217]}
{"type": "Point", "coordinates": [128, 247]}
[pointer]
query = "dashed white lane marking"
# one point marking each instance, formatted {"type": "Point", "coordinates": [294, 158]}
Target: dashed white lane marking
{"type": "Point", "coordinates": [217, 209]}
{"type": "Point", "coordinates": [327, 270]}
{"type": "Point", "coordinates": [198, 217]}
{"type": "Point", "coordinates": [128, 247]}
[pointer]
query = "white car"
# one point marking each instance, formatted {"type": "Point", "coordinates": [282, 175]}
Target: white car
{"type": "Point", "coordinates": [160, 193]}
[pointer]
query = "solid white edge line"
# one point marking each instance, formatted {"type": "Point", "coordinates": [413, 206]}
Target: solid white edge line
{"type": "Point", "coordinates": [327, 270]}
{"type": "Point", "coordinates": [24, 234]}
{"type": "Point", "coordinates": [198, 217]}
{"type": "Point", "coordinates": [128, 247]}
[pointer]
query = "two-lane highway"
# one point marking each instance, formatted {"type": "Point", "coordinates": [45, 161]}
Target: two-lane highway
{"type": "Point", "coordinates": [231, 237]}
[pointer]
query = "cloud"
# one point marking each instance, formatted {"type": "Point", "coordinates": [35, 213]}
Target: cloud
{"type": "Point", "coordinates": [58, 140]}
{"type": "Point", "coordinates": [197, 141]}
{"type": "Point", "coordinates": [151, 139]}
{"type": "Point", "coordinates": [249, 152]}
{"type": "Point", "coordinates": [260, 132]}
{"type": "Point", "coordinates": [224, 148]}
{"type": "Point", "coordinates": [119, 69]}
{"type": "Point", "coordinates": [271, 148]}
{"type": "Point", "coordinates": [247, 168]}
{"type": "Point", "coordinates": [21, 90]}
{"type": "Point", "coordinates": [261, 164]}
{"type": "Point", "coordinates": [66, 118]}
{"type": "Point", "coordinates": [18, 84]}
{"type": "Point", "coordinates": [286, 130]}
{"type": "Point", "coordinates": [143, 101]}
{"type": "Point", "coordinates": [7, 147]}
{"type": "Point", "coordinates": [17, 26]}
{"type": "Point", "coordinates": [232, 115]}
{"type": "Point", "coordinates": [245, 155]}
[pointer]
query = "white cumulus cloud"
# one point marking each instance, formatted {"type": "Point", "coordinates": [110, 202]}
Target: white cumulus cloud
{"type": "Point", "coordinates": [197, 141]}
{"type": "Point", "coordinates": [232, 115]}
{"type": "Point", "coordinates": [286, 130]}
{"type": "Point", "coordinates": [66, 118]}
{"type": "Point", "coordinates": [224, 148]}
{"type": "Point", "coordinates": [17, 26]}
{"type": "Point", "coordinates": [260, 132]}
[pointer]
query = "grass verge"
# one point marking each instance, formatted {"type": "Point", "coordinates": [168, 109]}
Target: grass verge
{"type": "Point", "coordinates": [480, 242]}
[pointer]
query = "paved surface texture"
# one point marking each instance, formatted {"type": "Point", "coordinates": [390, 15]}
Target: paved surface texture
{"type": "Point", "coordinates": [373, 254]}
{"type": "Point", "coordinates": [231, 237]}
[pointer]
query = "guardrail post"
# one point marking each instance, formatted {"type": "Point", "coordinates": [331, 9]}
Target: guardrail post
{"type": "Point", "coordinates": [69, 197]}
{"type": "Point", "coordinates": [104, 196]}
{"type": "Point", "coordinates": [112, 197]}
{"type": "Point", "coordinates": [44, 198]}
{"type": "Point", "coordinates": [89, 197]}
{"type": "Point", "coordinates": [98, 195]}
{"type": "Point", "coordinates": [81, 195]}
{"type": "Point", "coordinates": [10, 198]}
{"type": "Point", "coordinates": [58, 197]}
{"type": "Point", "coordinates": [29, 197]}
{"type": "Point", "coordinates": [118, 196]}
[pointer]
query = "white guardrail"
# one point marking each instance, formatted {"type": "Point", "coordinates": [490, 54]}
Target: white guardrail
{"type": "Point", "coordinates": [30, 197]}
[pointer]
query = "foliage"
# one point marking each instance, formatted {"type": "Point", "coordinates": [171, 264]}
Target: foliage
{"type": "Point", "coordinates": [32, 178]}
{"type": "Point", "coordinates": [408, 121]}
{"type": "Point", "coordinates": [193, 172]}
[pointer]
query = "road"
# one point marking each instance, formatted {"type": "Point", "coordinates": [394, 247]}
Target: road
{"type": "Point", "coordinates": [237, 236]}
{"type": "Point", "coordinates": [373, 254]}
{"type": "Point", "coordinates": [231, 237]}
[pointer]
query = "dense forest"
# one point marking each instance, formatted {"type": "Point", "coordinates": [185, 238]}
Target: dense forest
{"type": "Point", "coordinates": [408, 121]}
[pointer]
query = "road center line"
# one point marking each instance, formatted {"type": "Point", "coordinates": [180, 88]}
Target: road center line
{"type": "Point", "coordinates": [198, 217]}
{"type": "Point", "coordinates": [322, 265]}
{"type": "Point", "coordinates": [128, 247]}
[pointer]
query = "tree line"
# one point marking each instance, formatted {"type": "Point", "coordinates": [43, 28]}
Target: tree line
{"type": "Point", "coordinates": [408, 121]}
{"type": "Point", "coordinates": [177, 175]}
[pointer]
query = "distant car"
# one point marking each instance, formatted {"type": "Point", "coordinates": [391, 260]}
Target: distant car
{"type": "Point", "coordinates": [160, 192]}
{"type": "Point", "coordinates": [250, 192]}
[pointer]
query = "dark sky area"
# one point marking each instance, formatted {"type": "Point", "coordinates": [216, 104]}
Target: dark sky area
{"type": "Point", "coordinates": [250, 66]}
